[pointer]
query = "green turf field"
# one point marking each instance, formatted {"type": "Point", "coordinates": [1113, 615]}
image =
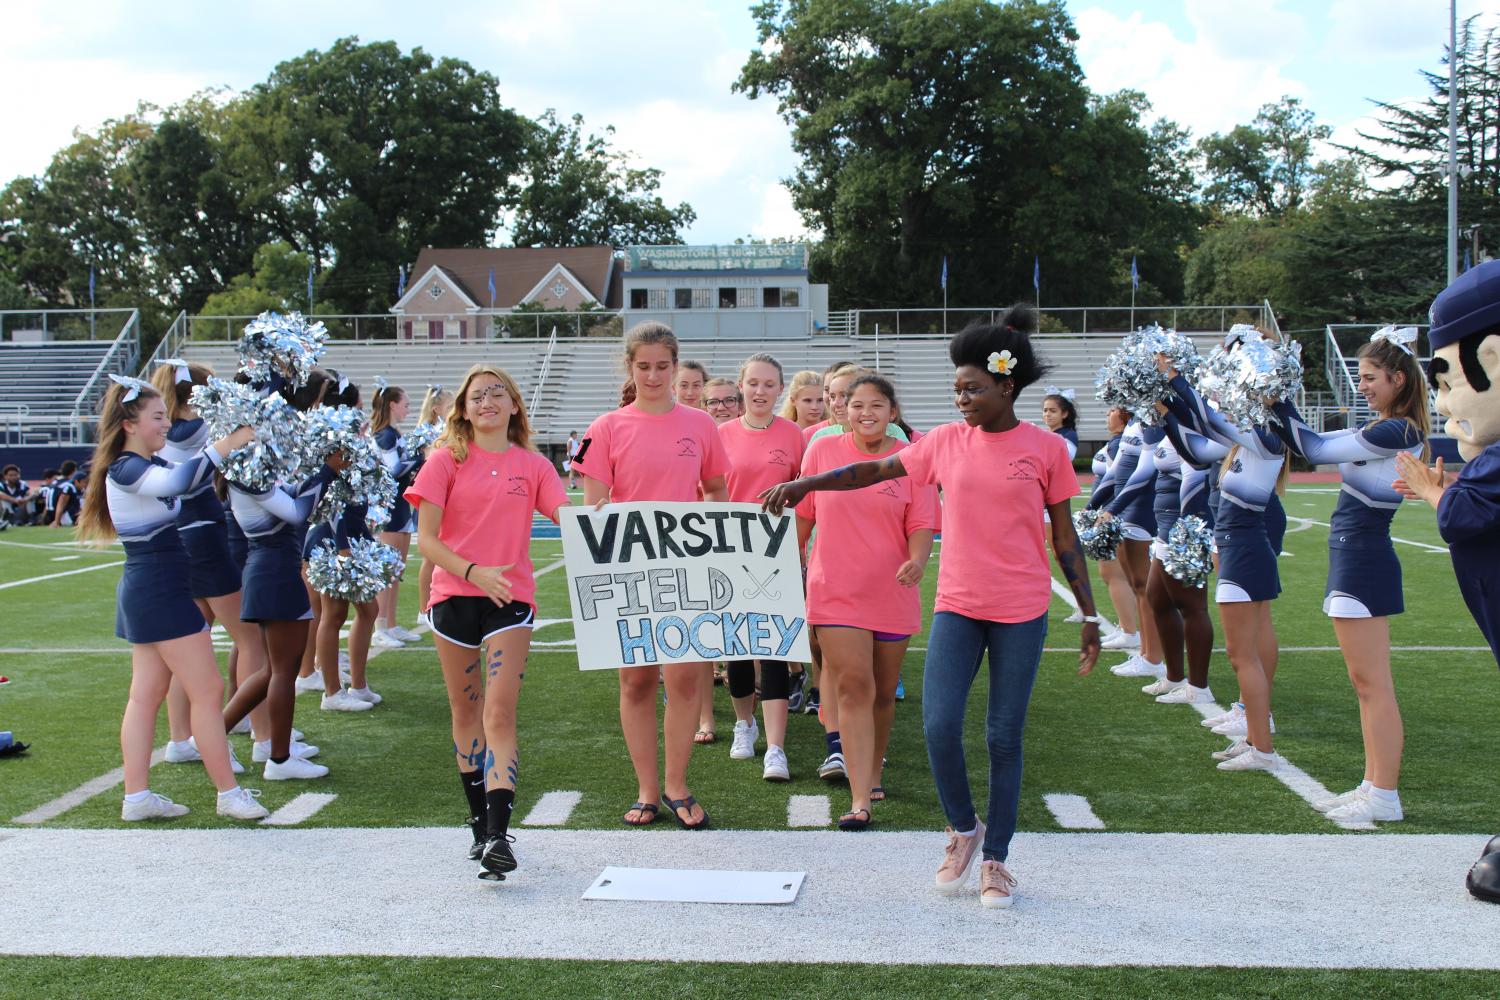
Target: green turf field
{"type": "Point", "coordinates": [1143, 767]}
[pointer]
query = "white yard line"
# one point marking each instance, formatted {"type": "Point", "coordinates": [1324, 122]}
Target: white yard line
{"type": "Point", "coordinates": [65, 558]}
{"type": "Point", "coordinates": [1402, 541]}
{"type": "Point", "coordinates": [1097, 899]}
{"type": "Point", "coordinates": [112, 549]}
{"type": "Point", "coordinates": [78, 796]}
{"type": "Point", "coordinates": [550, 567]}
{"type": "Point", "coordinates": [1072, 812]}
{"type": "Point", "coordinates": [553, 809]}
{"type": "Point", "coordinates": [1066, 594]}
{"type": "Point", "coordinates": [56, 576]}
{"type": "Point", "coordinates": [299, 810]}
{"type": "Point", "coordinates": [808, 810]}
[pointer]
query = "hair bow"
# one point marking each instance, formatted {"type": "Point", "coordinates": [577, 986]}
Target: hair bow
{"type": "Point", "coordinates": [1401, 336]}
{"type": "Point", "coordinates": [132, 384]}
{"type": "Point", "coordinates": [435, 388]}
{"type": "Point", "coordinates": [381, 383]}
{"type": "Point", "coordinates": [183, 373]}
{"type": "Point", "coordinates": [343, 383]}
{"type": "Point", "coordinates": [1067, 394]}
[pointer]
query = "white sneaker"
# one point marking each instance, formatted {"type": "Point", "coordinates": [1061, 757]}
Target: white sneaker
{"type": "Point", "coordinates": [234, 763]}
{"type": "Point", "coordinates": [312, 682]}
{"type": "Point", "coordinates": [345, 701]}
{"type": "Point", "coordinates": [404, 634]}
{"type": "Point", "coordinates": [1138, 666]}
{"type": "Point", "coordinates": [239, 803]}
{"type": "Point", "coordinates": [261, 752]}
{"type": "Point", "coordinates": [1252, 760]}
{"type": "Point", "coordinates": [1342, 799]}
{"type": "Point", "coordinates": [294, 768]}
{"type": "Point", "coordinates": [297, 736]}
{"type": "Point", "coordinates": [776, 768]}
{"type": "Point", "coordinates": [1186, 694]}
{"type": "Point", "coordinates": [1235, 709]}
{"type": "Point", "coordinates": [182, 753]}
{"type": "Point", "coordinates": [154, 806]}
{"type": "Point", "coordinates": [366, 695]}
{"type": "Point", "coordinates": [1162, 686]}
{"type": "Point", "coordinates": [1121, 639]}
{"type": "Point", "coordinates": [1237, 727]}
{"type": "Point", "coordinates": [1076, 618]}
{"type": "Point", "coordinates": [384, 639]}
{"type": "Point", "coordinates": [832, 767]}
{"type": "Point", "coordinates": [241, 728]}
{"type": "Point", "coordinates": [745, 735]}
{"type": "Point", "coordinates": [1367, 809]}
{"type": "Point", "coordinates": [424, 620]}
{"type": "Point", "coordinates": [1232, 751]}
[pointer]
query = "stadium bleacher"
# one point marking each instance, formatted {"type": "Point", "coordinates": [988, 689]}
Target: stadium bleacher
{"type": "Point", "coordinates": [40, 384]}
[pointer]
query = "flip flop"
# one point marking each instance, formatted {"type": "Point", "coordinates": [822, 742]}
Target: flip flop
{"type": "Point", "coordinates": [705, 736]}
{"type": "Point", "coordinates": [877, 794]}
{"type": "Point", "coordinates": [687, 803]}
{"type": "Point", "coordinates": [851, 821]}
{"type": "Point", "coordinates": [650, 808]}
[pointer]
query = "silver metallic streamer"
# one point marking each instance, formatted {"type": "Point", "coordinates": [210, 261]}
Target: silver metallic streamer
{"type": "Point", "coordinates": [288, 345]}
{"type": "Point", "coordinates": [365, 480]}
{"type": "Point", "coordinates": [1246, 382]}
{"type": "Point", "coordinates": [1098, 536]}
{"type": "Point", "coordinates": [369, 568]}
{"type": "Point", "coordinates": [420, 438]}
{"type": "Point", "coordinates": [1130, 377]}
{"type": "Point", "coordinates": [1190, 551]}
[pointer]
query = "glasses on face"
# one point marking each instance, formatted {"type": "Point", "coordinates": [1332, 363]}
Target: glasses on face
{"type": "Point", "coordinates": [721, 400]}
{"type": "Point", "coordinates": [478, 396]}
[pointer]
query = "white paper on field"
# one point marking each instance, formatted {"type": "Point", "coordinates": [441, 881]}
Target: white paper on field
{"type": "Point", "coordinates": [675, 885]}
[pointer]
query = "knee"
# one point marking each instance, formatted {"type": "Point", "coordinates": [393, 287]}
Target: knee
{"type": "Point", "coordinates": [637, 685]}
{"type": "Point", "coordinates": [499, 716]}
{"type": "Point", "coordinates": [1003, 740]}
{"type": "Point", "coordinates": [856, 689]}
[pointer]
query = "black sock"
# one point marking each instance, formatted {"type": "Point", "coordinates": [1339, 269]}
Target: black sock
{"type": "Point", "coordinates": [499, 802]}
{"type": "Point", "coordinates": [835, 745]}
{"type": "Point", "coordinates": [473, 782]}
{"type": "Point", "coordinates": [280, 760]}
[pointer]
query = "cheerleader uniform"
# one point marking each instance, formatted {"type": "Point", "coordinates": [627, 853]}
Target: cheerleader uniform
{"type": "Point", "coordinates": [275, 523]}
{"type": "Point", "coordinates": [239, 545]}
{"type": "Point", "coordinates": [1247, 561]}
{"type": "Point", "coordinates": [154, 603]}
{"type": "Point", "coordinates": [1070, 438]}
{"type": "Point", "coordinates": [1136, 518]}
{"type": "Point", "coordinates": [393, 455]}
{"type": "Point", "coordinates": [212, 571]}
{"type": "Point", "coordinates": [1138, 492]}
{"type": "Point", "coordinates": [1199, 460]}
{"type": "Point", "coordinates": [1364, 575]}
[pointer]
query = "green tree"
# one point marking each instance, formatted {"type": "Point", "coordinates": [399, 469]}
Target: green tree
{"type": "Point", "coordinates": [277, 281]}
{"type": "Point", "coordinates": [1266, 167]}
{"type": "Point", "coordinates": [576, 190]}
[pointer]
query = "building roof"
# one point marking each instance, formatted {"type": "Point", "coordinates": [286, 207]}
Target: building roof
{"type": "Point", "coordinates": [519, 269]}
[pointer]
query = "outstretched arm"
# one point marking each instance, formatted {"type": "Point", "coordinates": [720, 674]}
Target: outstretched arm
{"type": "Point", "coordinates": [847, 477]}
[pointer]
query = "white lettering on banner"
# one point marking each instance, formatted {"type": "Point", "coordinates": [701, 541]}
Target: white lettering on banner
{"type": "Point", "coordinates": [655, 583]}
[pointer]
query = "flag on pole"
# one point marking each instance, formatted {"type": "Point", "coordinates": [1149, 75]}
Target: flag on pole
{"type": "Point", "coordinates": [400, 282]}
{"type": "Point", "coordinates": [1036, 273]}
{"type": "Point", "coordinates": [1468, 262]}
{"type": "Point", "coordinates": [1135, 275]}
{"type": "Point", "coordinates": [309, 286]}
{"type": "Point", "coordinates": [91, 281]}
{"type": "Point", "coordinates": [944, 280]}
{"type": "Point", "coordinates": [492, 288]}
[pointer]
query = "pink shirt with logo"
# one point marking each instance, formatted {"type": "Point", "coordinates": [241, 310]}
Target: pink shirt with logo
{"type": "Point", "coordinates": [808, 432]}
{"type": "Point", "coordinates": [760, 459]}
{"type": "Point", "coordinates": [652, 456]}
{"type": "Point", "coordinates": [487, 501]}
{"type": "Point", "coordinates": [995, 487]}
{"type": "Point", "coordinates": [866, 529]}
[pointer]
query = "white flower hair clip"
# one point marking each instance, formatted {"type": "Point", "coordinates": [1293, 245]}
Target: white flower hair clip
{"type": "Point", "coordinates": [1067, 394]}
{"type": "Point", "coordinates": [1402, 337]}
{"type": "Point", "coordinates": [182, 373]}
{"type": "Point", "coordinates": [133, 386]}
{"type": "Point", "coordinates": [1002, 362]}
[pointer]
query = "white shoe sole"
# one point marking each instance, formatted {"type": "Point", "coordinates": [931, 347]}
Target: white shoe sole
{"type": "Point", "coordinates": [776, 775]}
{"type": "Point", "coordinates": [261, 813]}
{"type": "Point", "coordinates": [737, 753]}
{"type": "Point", "coordinates": [957, 885]}
{"type": "Point", "coordinates": [996, 902]}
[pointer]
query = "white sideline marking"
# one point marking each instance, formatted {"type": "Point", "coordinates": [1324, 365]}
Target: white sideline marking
{"type": "Point", "coordinates": [54, 546]}
{"type": "Point", "coordinates": [1072, 812]}
{"type": "Point", "coordinates": [65, 558]}
{"type": "Point", "coordinates": [808, 810]}
{"type": "Point", "coordinates": [549, 568]}
{"type": "Point", "coordinates": [1067, 595]}
{"type": "Point", "coordinates": [303, 807]}
{"type": "Point", "coordinates": [55, 576]}
{"type": "Point", "coordinates": [1403, 541]}
{"type": "Point", "coordinates": [1314, 903]}
{"type": "Point", "coordinates": [81, 794]}
{"type": "Point", "coordinates": [553, 809]}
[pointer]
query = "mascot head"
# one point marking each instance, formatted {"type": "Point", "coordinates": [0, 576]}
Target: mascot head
{"type": "Point", "coordinates": [1465, 371]}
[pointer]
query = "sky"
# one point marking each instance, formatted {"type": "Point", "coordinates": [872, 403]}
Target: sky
{"type": "Point", "coordinates": [661, 73]}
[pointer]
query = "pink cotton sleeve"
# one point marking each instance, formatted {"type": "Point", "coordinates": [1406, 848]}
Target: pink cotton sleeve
{"type": "Point", "coordinates": [923, 511]}
{"type": "Point", "coordinates": [812, 464]}
{"type": "Point", "coordinates": [593, 454]}
{"type": "Point", "coordinates": [435, 480]}
{"type": "Point", "coordinates": [548, 488]}
{"type": "Point", "coordinates": [715, 456]}
{"type": "Point", "coordinates": [1062, 481]}
{"type": "Point", "coordinates": [919, 459]}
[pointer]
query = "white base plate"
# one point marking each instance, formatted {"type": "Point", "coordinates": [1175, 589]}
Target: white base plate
{"type": "Point", "coordinates": [677, 885]}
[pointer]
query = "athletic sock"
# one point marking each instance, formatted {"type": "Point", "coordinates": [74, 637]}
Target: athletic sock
{"type": "Point", "coordinates": [231, 791]}
{"type": "Point", "coordinates": [499, 802]}
{"type": "Point", "coordinates": [969, 833]}
{"type": "Point", "coordinates": [134, 797]}
{"type": "Point", "coordinates": [835, 745]}
{"type": "Point", "coordinates": [1366, 785]}
{"type": "Point", "coordinates": [473, 782]}
{"type": "Point", "coordinates": [281, 760]}
{"type": "Point", "coordinates": [1388, 795]}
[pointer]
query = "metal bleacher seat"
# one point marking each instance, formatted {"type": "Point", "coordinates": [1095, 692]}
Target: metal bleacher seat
{"type": "Point", "coordinates": [40, 384]}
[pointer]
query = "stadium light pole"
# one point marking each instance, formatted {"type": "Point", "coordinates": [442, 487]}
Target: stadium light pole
{"type": "Point", "coordinates": [1452, 140]}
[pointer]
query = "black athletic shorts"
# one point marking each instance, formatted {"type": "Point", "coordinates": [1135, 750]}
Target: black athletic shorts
{"type": "Point", "coordinates": [469, 621]}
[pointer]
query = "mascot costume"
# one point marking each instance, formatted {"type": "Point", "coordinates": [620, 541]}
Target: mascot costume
{"type": "Point", "coordinates": [1465, 370]}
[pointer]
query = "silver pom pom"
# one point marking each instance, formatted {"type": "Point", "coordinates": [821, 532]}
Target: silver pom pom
{"type": "Point", "coordinates": [420, 438]}
{"type": "Point", "coordinates": [1130, 377]}
{"type": "Point", "coordinates": [365, 480]}
{"type": "Point", "coordinates": [280, 450]}
{"type": "Point", "coordinates": [369, 568]}
{"type": "Point", "coordinates": [1247, 382]}
{"type": "Point", "coordinates": [1098, 536]}
{"type": "Point", "coordinates": [287, 345]}
{"type": "Point", "coordinates": [1190, 551]}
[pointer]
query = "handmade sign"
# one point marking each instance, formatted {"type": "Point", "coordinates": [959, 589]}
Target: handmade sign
{"type": "Point", "coordinates": [658, 583]}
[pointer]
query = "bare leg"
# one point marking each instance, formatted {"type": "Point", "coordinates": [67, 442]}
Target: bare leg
{"type": "Point", "coordinates": [285, 642]}
{"type": "Point", "coordinates": [1120, 594]}
{"type": "Point", "coordinates": [389, 597]}
{"type": "Point", "coordinates": [190, 658]}
{"type": "Point", "coordinates": [638, 722]}
{"type": "Point", "coordinates": [335, 612]}
{"type": "Point", "coordinates": [465, 703]}
{"type": "Point", "coordinates": [849, 655]}
{"type": "Point", "coordinates": [359, 643]}
{"type": "Point", "coordinates": [677, 731]}
{"type": "Point", "coordinates": [1366, 643]}
{"type": "Point", "coordinates": [1168, 620]}
{"type": "Point", "coordinates": [1135, 557]}
{"type": "Point", "coordinates": [149, 679]}
{"type": "Point", "coordinates": [1242, 628]}
{"type": "Point", "coordinates": [505, 669]}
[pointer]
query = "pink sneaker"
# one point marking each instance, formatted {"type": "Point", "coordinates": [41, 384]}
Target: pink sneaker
{"type": "Point", "coordinates": [995, 883]}
{"type": "Point", "coordinates": [956, 859]}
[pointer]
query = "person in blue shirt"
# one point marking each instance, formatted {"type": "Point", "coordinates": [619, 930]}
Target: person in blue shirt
{"type": "Point", "coordinates": [1465, 371]}
{"type": "Point", "coordinates": [1364, 575]}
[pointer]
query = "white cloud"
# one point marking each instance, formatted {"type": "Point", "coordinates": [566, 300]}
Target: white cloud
{"type": "Point", "coordinates": [777, 216]}
{"type": "Point", "coordinates": [1219, 78]}
{"type": "Point", "coordinates": [1370, 28]}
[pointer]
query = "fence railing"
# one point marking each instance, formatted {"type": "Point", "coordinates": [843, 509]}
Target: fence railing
{"type": "Point", "coordinates": [541, 376]}
{"type": "Point", "coordinates": [122, 358]}
{"type": "Point", "coordinates": [1072, 319]}
{"type": "Point", "coordinates": [477, 327]}
{"type": "Point", "coordinates": [62, 324]}
{"type": "Point", "coordinates": [1341, 343]}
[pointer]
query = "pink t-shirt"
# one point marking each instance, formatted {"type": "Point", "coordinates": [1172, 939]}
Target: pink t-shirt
{"type": "Point", "coordinates": [487, 502]}
{"type": "Point", "coordinates": [866, 529]}
{"type": "Point", "coordinates": [760, 459]}
{"type": "Point", "coordinates": [652, 456]}
{"type": "Point", "coordinates": [808, 432]}
{"type": "Point", "coordinates": [995, 486]}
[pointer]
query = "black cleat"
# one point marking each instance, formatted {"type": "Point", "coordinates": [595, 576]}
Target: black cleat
{"type": "Point", "coordinates": [476, 827]}
{"type": "Point", "coordinates": [498, 859]}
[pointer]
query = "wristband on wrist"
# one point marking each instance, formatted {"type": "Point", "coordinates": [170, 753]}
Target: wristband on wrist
{"type": "Point", "coordinates": [468, 571]}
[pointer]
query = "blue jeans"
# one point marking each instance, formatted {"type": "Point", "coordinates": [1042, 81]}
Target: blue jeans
{"type": "Point", "coordinates": [955, 649]}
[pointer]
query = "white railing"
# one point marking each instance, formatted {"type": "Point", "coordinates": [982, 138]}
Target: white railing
{"type": "Point", "coordinates": [170, 344]}
{"type": "Point", "coordinates": [121, 358]}
{"type": "Point", "coordinates": [541, 377]}
{"type": "Point", "coordinates": [1082, 320]}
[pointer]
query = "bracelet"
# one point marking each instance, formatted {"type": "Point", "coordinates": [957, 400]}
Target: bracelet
{"type": "Point", "coordinates": [468, 571]}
